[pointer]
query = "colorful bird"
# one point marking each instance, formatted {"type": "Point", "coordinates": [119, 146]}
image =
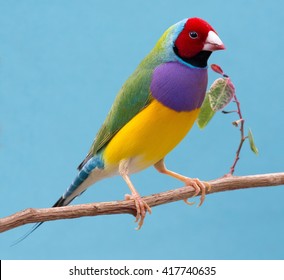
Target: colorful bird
{"type": "Point", "coordinates": [152, 113]}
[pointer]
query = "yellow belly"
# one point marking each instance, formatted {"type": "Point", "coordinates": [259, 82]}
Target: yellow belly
{"type": "Point", "coordinates": [149, 136]}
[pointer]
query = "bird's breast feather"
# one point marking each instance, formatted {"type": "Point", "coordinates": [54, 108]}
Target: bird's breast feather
{"type": "Point", "coordinates": [178, 86]}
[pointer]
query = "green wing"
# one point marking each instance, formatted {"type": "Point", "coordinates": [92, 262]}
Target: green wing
{"type": "Point", "coordinates": [131, 99]}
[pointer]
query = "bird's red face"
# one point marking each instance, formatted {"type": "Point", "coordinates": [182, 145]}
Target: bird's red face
{"type": "Point", "coordinates": [196, 36]}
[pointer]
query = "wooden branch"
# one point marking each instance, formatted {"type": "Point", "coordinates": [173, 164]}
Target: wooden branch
{"type": "Point", "coordinates": [228, 183]}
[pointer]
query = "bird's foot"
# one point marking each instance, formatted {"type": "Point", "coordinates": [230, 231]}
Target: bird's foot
{"type": "Point", "coordinates": [199, 186]}
{"type": "Point", "coordinates": [141, 208]}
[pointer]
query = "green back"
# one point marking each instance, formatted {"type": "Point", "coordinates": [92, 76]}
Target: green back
{"type": "Point", "coordinates": [132, 98]}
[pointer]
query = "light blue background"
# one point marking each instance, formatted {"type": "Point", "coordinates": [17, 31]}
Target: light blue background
{"type": "Point", "coordinates": [61, 65]}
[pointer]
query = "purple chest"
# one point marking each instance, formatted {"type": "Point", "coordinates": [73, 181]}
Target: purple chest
{"type": "Point", "coordinates": [179, 87]}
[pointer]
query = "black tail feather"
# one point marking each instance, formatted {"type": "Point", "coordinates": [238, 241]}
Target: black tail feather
{"type": "Point", "coordinates": [27, 234]}
{"type": "Point", "coordinates": [58, 203]}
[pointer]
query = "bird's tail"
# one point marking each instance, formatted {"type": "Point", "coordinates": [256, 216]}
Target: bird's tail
{"type": "Point", "coordinates": [78, 186]}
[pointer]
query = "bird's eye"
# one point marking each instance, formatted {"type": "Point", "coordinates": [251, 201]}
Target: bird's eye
{"type": "Point", "coordinates": [193, 35]}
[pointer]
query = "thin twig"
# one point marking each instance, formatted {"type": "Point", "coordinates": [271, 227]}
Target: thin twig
{"type": "Point", "coordinates": [239, 123]}
{"type": "Point", "coordinates": [128, 207]}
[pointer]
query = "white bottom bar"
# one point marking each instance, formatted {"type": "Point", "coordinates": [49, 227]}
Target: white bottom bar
{"type": "Point", "coordinates": [145, 269]}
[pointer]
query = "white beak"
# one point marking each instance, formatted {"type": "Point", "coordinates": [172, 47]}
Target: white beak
{"type": "Point", "coordinates": [213, 42]}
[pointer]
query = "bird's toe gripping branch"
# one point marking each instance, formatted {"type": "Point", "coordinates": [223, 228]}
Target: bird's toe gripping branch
{"type": "Point", "coordinates": [199, 186]}
{"type": "Point", "coordinates": [141, 207]}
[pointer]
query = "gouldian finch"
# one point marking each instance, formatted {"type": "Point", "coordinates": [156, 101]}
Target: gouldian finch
{"type": "Point", "coordinates": [153, 111]}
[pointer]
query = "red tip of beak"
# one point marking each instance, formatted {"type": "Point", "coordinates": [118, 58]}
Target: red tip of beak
{"type": "Point", "coordinates": [222, 47]}
{"type": "Point", "coordinates": [219, 47]}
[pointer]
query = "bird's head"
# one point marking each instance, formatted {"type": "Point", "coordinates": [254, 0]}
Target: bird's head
{"type": "Point", "coordinates": [196, 41]}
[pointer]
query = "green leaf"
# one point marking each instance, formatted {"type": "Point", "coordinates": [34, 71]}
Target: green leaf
{"type": "Point", "coordinates": [251, 142]}
{"type": "Point", "coordinates": [221, 93]}
{"type": "Point", "coordinates": [206, 113]}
